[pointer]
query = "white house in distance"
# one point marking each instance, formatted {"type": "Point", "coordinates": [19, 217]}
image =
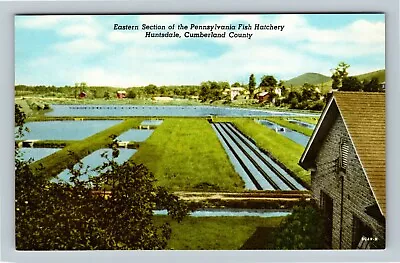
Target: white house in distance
{"type": "Point", "coordinates": [346, 157]}
{"type": "Point", "coordinates": [235, 91]}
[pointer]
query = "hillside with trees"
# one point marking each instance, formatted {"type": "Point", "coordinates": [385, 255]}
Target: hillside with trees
{"type": "Point", "coordinates": [310, 78]}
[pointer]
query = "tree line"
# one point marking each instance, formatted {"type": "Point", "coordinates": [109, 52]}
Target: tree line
{"type": "Point", "coordinates": [342, 82]}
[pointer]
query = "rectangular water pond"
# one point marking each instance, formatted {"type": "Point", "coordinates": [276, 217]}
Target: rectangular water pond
{"type": "Point", "coordinates": [152, 122]}
{"type": "Point", "coordinates": [232, 212]}
{"type": "Point", "coordinates": [288, 133]}
{"type": "Point", "coordinates": [139, 110]}
{"type": "Point", "coordinates": [135, 135]}
{"type": "Point", "coordinates": [94, 160]}
{"type": "Point", "coordinates": [35, 154]}
{"type": "Point", "coordinates": [65, 130]}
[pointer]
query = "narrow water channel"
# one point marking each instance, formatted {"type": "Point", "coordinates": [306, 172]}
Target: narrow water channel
{"type": "Point", "coordinates": [233, 212]}
{"type": "Point", "coordinates": [304, 124]}
{"type": "Point", "coordinates": [257, 170]}
{"type": "Point", "coordinates": [288, 133]}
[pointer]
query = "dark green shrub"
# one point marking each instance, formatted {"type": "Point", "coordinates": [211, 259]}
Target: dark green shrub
{"type": "Point", "coordinates": [303, 229]}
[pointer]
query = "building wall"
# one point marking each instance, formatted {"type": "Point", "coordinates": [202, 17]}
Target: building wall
{"type": "Point", "coordinates": [357, 192]}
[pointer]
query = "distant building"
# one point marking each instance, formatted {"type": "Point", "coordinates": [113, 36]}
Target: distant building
{"type": "Point", "coordinates": [236, 91]}
{"type": "Point", "coordinates": [346, 157]}
{"type": "Point", "coordinates": [263, 96]}
{"type": "Point", "coordinates": [278, 91]}
{"type": "Point", "coordinates": [121, 94]}
{"type": "Point", "coordinates": [271, 95]}
{"type": "Point", "coordinates": [82, 95]}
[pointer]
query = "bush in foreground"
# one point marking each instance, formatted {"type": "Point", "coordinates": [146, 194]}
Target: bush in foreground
{"type": "Point", "coordinates": [303, 229]}
{"type": "Point", "coordinates": [81, 215]}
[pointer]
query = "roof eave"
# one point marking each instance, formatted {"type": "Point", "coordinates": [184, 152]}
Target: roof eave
{"type": "Point", "coordinates": [307, 160]}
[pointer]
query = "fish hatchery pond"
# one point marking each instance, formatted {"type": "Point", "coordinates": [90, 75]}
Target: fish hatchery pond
{"type": "Point", "coordinates": [183, 111]}
{"type": "Point", "coordinates": [154, 127]}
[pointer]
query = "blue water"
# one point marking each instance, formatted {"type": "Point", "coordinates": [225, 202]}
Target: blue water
{"type": "Point", "coordinates": [232, 212]}
{"type": "Point", "coordinates": [135, 135]}
{"type": "Point", "coordinates": [94, 160]}
{"type": "Point", "coordinates": [151, 122]}
{"type": "Point", "coordinates": [35, 154]}
{"type": "Point", "coordinates": [249, 148]}
{"type": "Point", "coordinates": [136, 110]}
{"type": "Point", "coordinates": [65, 130]}
{"type": "Point", "coordinates": [236, 165]}
{"type": "Point", "coordinates": [288, 133]}
{"type": "Point", "coordinates": [304, 124]}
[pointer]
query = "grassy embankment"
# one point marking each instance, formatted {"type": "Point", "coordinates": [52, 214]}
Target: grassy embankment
{"type": "Point", "coordinates": [281, 148]}
{"type": "Point", "coordinates": [185, 154]}
{"type": "Point", "coordinates": [220, 233]}
{"type": "Point", "coordinates": [60, 160]}
{"type": "Point", "coordinates": [293, 126]}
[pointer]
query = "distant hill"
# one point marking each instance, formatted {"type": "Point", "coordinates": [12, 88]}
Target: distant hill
{"type": "Point", "coordinates": [326, 85]}
{"type": "Point", "coordinates": [380, 74]}
{"type": "Point", "coordinates": [311, 78]}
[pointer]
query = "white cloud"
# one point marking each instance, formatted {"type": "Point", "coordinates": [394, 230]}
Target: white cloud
{"type": "Point", "coordinates": [105, 77]}
{"type": "Point", "coordinates": [343, 50]}
{"type": "Point", "coordinates": [79, 30]}
{"type": "Point", "coordinates": [39, 22]}
{"type": "Point", "coordinates": [129, 59]}
{"type": "Point", "coordinates": [80, 46]}
{"type": "Point", "coordinates": [124, 36]}
{"type": "Point", "coordinates": [50, 21]}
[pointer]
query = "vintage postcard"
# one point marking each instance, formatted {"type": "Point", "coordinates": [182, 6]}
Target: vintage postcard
{"type": "Point", "coordinates": [200, 131]}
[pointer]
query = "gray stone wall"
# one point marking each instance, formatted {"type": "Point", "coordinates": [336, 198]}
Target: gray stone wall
{"type": "Point", "coordinates": [357, 192]}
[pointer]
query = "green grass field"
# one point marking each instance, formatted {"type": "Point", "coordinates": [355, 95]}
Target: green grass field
{"type": "Point", "coordinates": [219, 233]}
{"type": "Point", "coordinates": [185, 154]}
{"type": "Point", "coordinates": [282, 148]}
{"type": "Point", "coordinates": [60, 160]}
{"type": "Point", "coordinates": [295, 127]}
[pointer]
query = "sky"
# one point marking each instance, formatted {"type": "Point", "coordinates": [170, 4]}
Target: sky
{"type": "Point", "coordinates": [62, 50]}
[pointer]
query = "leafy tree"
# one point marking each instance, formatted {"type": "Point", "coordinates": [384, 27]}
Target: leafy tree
{"type": "Point", "coordinates": [107, 95]}
{"type": "Point", "coordinates": [76, 87]}
{"type": "Point", "coordinates": [372, 85]}
{"type": "Point", "coordinates": [131, 94]}
{"type": "Point", "coordinates": [252, 84]}
{"type": "Point", "coordinates": [303, 229]}
{"type": "Point", "coordinates": [162, 90]}
{"type": "Point", "coordinates": [204, 91]}
{"type": "Point", "coordinates": [150, 89]}
{"type": "Point", "coordinates": [94, 93]}
{"type": "Point", "coordinates": [351, 84]}
{"type": "Point", "coordinates": [308, 92]}
{"type": "Point", "coordinates": [83, 86]}
{"type": "Point", "coordinates": [338, 74]}
{"type": "Point", "coordinates": [19, 119]}
{"type": "Point", "coordinates": [268, 81]}
{"type": "Point", "coordinates": [79, 215]}
{"type": "Point", "coordinates": [212, 90]}
{"type": "Point", "coordinates": [236, 84]}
